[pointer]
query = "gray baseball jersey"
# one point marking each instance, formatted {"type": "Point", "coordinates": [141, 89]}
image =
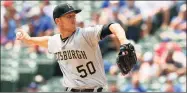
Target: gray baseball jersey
{"type": "Point", "coordinates": [80, 58]}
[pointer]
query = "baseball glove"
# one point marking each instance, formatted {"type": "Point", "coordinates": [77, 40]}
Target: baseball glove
{"type": "Point", "coordinates": [126, 58]}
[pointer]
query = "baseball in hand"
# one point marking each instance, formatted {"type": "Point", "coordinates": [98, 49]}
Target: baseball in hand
{"type": "Point", "coordinates": [19, 34]}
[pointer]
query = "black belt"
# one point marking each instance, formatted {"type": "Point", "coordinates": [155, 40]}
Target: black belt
{"type": "Point", "coordinates": [85, 90]}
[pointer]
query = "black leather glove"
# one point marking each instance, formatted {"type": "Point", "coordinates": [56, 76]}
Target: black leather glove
{"type": "Point", "coordinates": [126, 58]}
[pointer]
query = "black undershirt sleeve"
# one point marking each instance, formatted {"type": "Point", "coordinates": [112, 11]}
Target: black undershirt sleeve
{"type": "Point", "coordinates": [105, 31]}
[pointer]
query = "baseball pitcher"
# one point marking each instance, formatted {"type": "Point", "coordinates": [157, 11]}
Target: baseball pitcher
{"type": "Point", "coordinates": [77, 50]}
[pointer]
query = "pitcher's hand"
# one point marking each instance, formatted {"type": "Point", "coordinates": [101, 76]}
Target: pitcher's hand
{"type": "Point", "coordinates": [22, 35]}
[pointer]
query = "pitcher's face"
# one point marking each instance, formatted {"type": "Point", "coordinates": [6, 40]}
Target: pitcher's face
{"type": "Point", "coordinates": [67, 21]}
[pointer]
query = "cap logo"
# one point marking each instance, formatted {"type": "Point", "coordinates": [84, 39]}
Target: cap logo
{"type": "Point", "coordinates": [68, 5]}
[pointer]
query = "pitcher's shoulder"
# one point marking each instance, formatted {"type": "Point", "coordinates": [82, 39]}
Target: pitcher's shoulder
{"type": "Point", "coordinates": [55, 36]}
{"type": "Point", "coordinates": [54, 43]}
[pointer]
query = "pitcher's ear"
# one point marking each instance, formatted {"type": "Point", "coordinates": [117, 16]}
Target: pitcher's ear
{"type": "Point", "coordinates": [56, 20]}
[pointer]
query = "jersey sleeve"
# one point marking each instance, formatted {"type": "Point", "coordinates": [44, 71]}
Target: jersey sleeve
{"type": "Point", "coordinates": [92, 34]}
{"type": "Point", "coordinates": [54, 44]}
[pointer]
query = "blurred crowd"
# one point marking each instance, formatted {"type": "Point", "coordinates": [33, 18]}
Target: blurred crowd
{"type": "Point", "coordinates": [156, 28]}
{"type": "Point", "coordinates": [37, 21]}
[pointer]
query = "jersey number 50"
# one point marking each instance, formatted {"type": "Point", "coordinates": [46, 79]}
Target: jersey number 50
{"type": "Point", "coordinates": [89, 65]}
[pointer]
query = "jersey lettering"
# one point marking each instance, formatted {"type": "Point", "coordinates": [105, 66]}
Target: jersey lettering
{"type": "Point", "coordinates": [73, 54]}
{"type": "Point", "coordinates": [83, 54]}
{"type": "Point", "coordinates": [65, 56]}
{"type": "Point", "coordinates": [60, 56]}
{"type": "Point", "coordinates": [78, 54]}
{"type": "Point", "coordinates": [70, 54]}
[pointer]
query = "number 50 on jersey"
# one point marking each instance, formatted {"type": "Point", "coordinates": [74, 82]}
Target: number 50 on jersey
{"type": "Point", "coordinates": [82, 69]}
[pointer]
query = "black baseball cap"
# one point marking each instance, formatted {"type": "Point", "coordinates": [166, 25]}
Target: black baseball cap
{"type": "Point", "coordinates": [62, 9]}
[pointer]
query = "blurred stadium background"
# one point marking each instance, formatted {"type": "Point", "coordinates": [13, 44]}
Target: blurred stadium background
{"type": "Point", "coordinates": [156, 28]}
